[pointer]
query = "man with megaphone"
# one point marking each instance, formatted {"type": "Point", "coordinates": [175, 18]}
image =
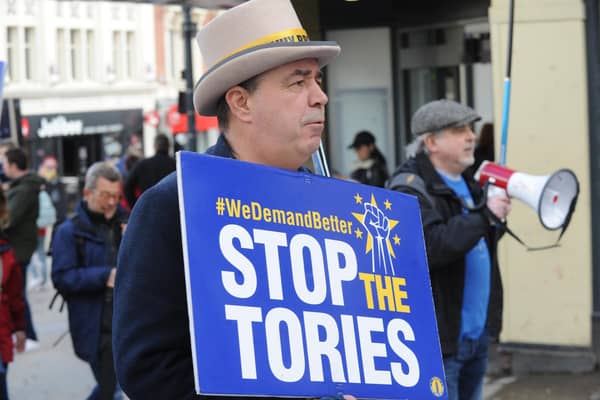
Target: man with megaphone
{"type": "Point", "coordinates": [461, 240]}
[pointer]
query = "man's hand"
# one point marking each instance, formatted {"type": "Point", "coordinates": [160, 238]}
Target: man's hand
{"type": "Point", "coordinates": [500, 205]}
{"type": "Point", "coordinates": [20, 341]}
{"type": "Point", "coordinates": [111, 278]}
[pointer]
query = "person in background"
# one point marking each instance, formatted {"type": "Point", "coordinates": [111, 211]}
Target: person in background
{"type": "Point", "coordinates": [272, 112]}
{"type": "Point", "coordinates": [150, 171]}
{"type": "Point", "coordinates": [371, 168]}
{"type": "Point", "coordinates": [484, 150]}
{"type": "Point", "coordinates": [12, 304]}
{"type": "Point", "coordinates": [84, 264]}
{"type": "Point", "coordinates": [48, 215]}
{"type": "Point", "coordinates": [462, 228]}
{"type": "Point", "coordinates": [23, 208]}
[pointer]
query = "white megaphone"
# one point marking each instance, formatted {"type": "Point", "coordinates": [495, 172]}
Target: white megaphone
{"type": "Point", "coordinates": [553, 196]}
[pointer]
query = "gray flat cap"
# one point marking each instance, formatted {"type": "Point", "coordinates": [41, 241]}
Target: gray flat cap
{"type": "Point", "coordinates": [441, 114]}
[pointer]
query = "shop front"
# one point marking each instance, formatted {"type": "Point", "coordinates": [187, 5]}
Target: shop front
{"type": "Point", "coordinates": [76, 140]}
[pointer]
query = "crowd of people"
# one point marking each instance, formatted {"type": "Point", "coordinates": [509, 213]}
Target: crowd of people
{"type": "Point", "coordinates": [110, 268]}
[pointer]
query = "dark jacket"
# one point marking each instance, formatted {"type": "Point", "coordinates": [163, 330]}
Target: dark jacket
{"type": "Point", "coordinates": [146, 174]}
{"type": "Point", "coordinates": [12, 304]}
{"type": "Point", "coordinates": [373, 171]}
{"type": "Point", "coordinates": [449, 235]}
{"type": "Point", "coordinates": [151, 336]}
{"type": "Point", "coordinates": [23, 207]}
{"type": "Point", "coordinates": [83, 253]}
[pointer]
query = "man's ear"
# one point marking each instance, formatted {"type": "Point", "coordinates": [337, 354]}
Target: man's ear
{"type": "Point", "coordinates": [237, 100]}
{"type": "Point", "coordinates": [430, 143]}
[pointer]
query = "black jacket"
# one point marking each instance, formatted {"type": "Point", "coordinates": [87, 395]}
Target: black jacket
{"type": "Point", "coordinates": [146, 174]}
{"type": "Point", "coordinates": [372, 172]}
{"type": "Point", "coordinates": [151, 334]}
{"type": "Point", "coordinates": [449, 235]}
{"type": "Point", "coordinates": [23, 208]}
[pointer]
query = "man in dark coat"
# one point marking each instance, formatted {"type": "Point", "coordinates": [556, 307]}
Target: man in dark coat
{"type": "Point", "coordinates": [84, 259]}
{"type": "Point", "coordinates": [266, 92]}
{"type": "Point", "coordinates": [150, 171]}
{"type": "Point", "coordinates": [23, 208]}
{"type": "Point", "coordinates": [460, 239]}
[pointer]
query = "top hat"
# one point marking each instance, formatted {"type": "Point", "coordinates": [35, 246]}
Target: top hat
{"type": "Point", "coordinates": [248, 40]}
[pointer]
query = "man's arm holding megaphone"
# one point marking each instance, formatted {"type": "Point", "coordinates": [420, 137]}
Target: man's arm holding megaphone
{"type": "Point", "coordinates": [449, 237]}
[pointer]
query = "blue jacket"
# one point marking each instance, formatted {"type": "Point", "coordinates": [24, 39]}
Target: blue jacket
{"type": "Point", "coordinates": [80, 275]}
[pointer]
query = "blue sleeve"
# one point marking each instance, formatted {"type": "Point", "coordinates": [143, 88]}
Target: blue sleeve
{"type": "Point", "coordinates": [151, 342]}
{"type": "Point", "coordinates": [67, 275]}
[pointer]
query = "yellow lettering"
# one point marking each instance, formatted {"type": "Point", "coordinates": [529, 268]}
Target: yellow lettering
{"type": "Point", "coordinates": [343, 226]}
{"type": "Point", "coordinates": [279, 216]}
{"type": "Point", "coordinates": [384, 292]}
{"type": "Point", "coordinates": [290, 218]}
{"type": "Point", "coordinates": [256, 211]}
{"type": "Point", "coordinates": [368, 280]}
{"type": "Point", "coordinates": [316, 219]}
{"type": "Point", "coordinates": [326, 224]}
{"type": "Point", "coordinates": [349, 227]}
{"type": "Point", "coordinates": [400, 294]}
{"type": "Point", "coordinates": [267, 214]}
{"type": "Point", "coordinates": [246, 211]}
{"type": "Point", "coordinates": [233, 207]}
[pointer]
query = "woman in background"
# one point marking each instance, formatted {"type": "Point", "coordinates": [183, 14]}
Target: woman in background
{"type": "Point", "coordinates": [371, 168]}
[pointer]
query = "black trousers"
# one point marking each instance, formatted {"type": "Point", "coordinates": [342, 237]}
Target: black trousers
{"type": "Point", "coordinates": [103, 369]}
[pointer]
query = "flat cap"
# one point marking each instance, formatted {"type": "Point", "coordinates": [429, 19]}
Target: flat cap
{"type": "Point", "coordinates": [441, 114]}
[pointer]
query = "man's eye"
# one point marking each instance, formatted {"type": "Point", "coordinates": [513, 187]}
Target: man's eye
{"type": "Point", "coordinates": [299, 83]}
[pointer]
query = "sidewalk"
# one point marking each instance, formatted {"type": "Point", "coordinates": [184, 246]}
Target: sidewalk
{"type": "Point", "coordinates": [49, 372]}
{"type": "Point", "coordinates": [55, 373]}
{"type": "Point", "coordinates": [550, 387]}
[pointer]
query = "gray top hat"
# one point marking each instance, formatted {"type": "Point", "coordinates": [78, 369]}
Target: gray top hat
{"type": "Point", "coordinates": [441, 114]}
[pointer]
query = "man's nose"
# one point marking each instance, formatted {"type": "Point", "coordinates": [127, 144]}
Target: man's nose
{"type": "Point", "coordinates": [317, 95]}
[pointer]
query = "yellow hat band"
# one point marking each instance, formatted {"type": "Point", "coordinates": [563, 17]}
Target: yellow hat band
{"type": "Point", "coordinates": [287, 35]}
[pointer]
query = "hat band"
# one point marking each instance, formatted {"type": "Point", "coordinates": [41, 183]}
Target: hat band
{"type": "Point", "coordinates": [287, 35]}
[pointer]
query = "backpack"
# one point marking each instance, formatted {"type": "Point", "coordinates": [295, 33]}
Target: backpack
{"type": "Point", "coordinates": [80, 248]}
{"type": "Point", "coordinates": [47, 212]}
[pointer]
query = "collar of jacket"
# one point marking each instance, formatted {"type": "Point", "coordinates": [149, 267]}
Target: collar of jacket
{"type": "Point", "coordinates": [436, 185]}
{"type": "Point", "coordinates": [89, 229]}
{"type": "Point", "coordinates": [223, 149]}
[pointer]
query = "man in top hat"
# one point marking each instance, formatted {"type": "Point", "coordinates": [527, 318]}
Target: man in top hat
{"type": "Point", "coordinates": [264, 84]}
{"type": "Point", "coordinates": [461, 228]}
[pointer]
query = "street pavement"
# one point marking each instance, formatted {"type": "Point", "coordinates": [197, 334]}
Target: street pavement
{"type": "Point", "coordinates": [53, 372]}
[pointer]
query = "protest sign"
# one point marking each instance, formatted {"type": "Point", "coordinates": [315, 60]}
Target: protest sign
{"type": "Point", "coordinates": [303, 285]}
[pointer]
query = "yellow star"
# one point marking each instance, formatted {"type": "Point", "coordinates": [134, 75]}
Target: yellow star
{"type": "Point", "coordinates": [369, 244]}
{"type": "Point", "coordinates": [357, 198]}
{"type": "Point", "coordinates": [358, 233]}
{"type": "Point", "coordinates": [396, 240]}
{"type": "Point", "coordinates": [388, 204]}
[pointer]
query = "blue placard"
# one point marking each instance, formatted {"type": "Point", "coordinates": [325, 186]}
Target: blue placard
{"type": "Point", "coordinates": [302, 285]}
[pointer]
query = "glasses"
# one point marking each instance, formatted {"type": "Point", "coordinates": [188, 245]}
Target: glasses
{"type": "Point", "coordinates": [105, 196]}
